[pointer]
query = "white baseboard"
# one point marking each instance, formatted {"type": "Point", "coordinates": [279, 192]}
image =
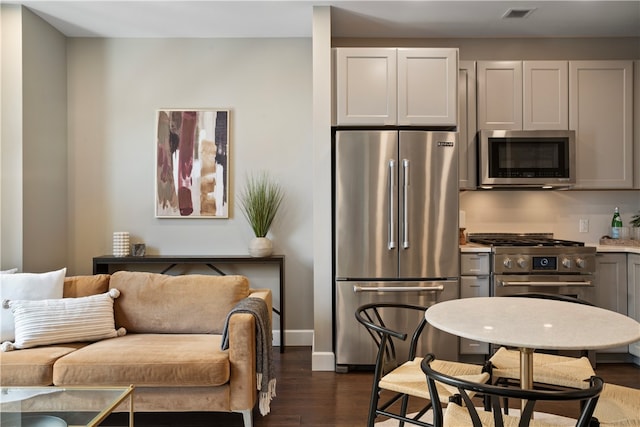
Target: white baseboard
{"type": "Point", "coordinates": [323, 361]}
{"type": "Point", "coordinates": [297, 337]}
{"type": "Point", "coordinates": [320, 361]}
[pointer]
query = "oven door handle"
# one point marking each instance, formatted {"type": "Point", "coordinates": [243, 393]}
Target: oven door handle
{"type": "Point", "coordinates": [553, 284]}
{"type": "Point", "coordinates": [358, 288]}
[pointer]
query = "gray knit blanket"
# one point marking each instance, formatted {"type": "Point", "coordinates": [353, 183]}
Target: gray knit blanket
{"type": "Point", "coordinates": [264, 359]}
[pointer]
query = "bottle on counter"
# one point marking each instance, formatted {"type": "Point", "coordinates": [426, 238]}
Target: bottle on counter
{"type": "Point", "coordinates": [616, 224]}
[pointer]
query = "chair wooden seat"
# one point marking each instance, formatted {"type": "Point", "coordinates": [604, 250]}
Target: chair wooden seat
{"type": "Point", "coordinates": [408, 378]}
{"type": "Point", "coordinates": [618, 406]}
{"type": "Point", "coordinates": [548, 369]}
{"type": "Point", "coordinates": [458, 416]}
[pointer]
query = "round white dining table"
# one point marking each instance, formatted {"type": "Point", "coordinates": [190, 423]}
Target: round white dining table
{"type": "Point", "coordinates": [531, 323]}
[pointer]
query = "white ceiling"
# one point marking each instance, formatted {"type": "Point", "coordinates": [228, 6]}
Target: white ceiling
{"type": "Point", "coordinates": [356, 18]}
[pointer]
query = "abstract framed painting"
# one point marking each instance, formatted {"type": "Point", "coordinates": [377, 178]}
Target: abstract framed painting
{"type": "Point", "coordinates": [192, 163]}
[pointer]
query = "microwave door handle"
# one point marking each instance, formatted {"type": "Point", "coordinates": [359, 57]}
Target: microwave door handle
{"type": "Point", "coordinates": [405, 202]}
{"type": "Point", "coordinates": [391, 243]}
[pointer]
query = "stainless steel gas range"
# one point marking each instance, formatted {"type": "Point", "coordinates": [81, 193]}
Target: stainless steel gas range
{"type": "Point", "coordinates": [539, 263]}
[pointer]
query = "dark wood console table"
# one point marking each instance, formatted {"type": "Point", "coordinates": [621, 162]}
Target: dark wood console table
{"type": "Point", "coordinates": [106, 264]}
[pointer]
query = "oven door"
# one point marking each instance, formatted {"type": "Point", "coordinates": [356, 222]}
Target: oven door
{"type": "Point", "coordinates": [576, 285]}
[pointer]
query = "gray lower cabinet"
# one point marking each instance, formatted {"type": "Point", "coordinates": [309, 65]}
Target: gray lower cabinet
{"type": "Point", "coordinates": [633, 271]}
{"type": "Point", "coordinates": [611, 287]}
{"type": "Point", "coordinates": [474, 282]}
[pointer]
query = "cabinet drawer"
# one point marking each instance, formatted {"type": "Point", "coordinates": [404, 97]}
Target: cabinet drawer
{"type": "Point", "coordinates": [474, 286]}
{"type": "Point", "coordinates": [474, 264]}
{"type": "Point", "coordinates": [468, 346]}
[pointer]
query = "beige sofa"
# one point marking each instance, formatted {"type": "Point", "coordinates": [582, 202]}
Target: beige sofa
{"type": "Point", "coordinates": [171, 352]}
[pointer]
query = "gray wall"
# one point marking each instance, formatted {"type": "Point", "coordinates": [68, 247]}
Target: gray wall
{"type": "Point", "coordinates": [34, 143]}
{"type": "Point", "coordinates": [116, 86]}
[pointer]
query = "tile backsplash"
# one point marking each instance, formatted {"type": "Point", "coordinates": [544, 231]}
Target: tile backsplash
{"type": "Point", "coordinates": [557, 212]}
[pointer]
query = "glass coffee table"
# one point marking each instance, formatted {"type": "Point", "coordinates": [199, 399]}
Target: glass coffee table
{"type": "Point", "coordinates": [61, 406]}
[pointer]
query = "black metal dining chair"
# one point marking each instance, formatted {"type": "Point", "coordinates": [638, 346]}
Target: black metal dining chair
{"type": "Point", "coordinates": [462, 411]}
{"type": "Point", "coordinates": [399, 376]}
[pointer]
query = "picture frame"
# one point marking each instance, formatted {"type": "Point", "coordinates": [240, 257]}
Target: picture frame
{"type": "Point", "coordinates": [192, 163]}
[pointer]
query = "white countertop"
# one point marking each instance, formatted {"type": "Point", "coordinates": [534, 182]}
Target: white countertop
{"type": "Point", "coordinates": [533, 323]}
{"type": "Point", "coordinates": [474, 247]}
{"type": "Point", "coordinates": [616, 248]}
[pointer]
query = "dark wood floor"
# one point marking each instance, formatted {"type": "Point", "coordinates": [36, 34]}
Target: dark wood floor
{"type": "Point", "coordinates": [307, 398]}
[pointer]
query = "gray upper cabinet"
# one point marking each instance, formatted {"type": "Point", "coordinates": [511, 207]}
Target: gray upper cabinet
{"type": "Point", "coordinates": [633, 264]}
{"type": "Point", "coordinates": [467, 125]}
{"type": "Point", "coordinates": [500, 95]}
{"type": "Point", "coordinates": [389, 86]}
{"type": "Point", "coordinates": [636, 124]}
{"type": "Point", "coordinates": [601, 113]}
{"type": "Point", "coordinates": [523, 95]}
{"type": "Point", "coordinates": [546, 95]}
{"type": "Point", "coordinates": [366, 89]}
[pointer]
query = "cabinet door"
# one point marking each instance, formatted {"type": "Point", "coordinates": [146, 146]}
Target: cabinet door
{"type": "Point", "coordinates": [467, 125]}
{"type": "Point", "coordinates": [636, 125]}
{"type": "Point", "coordinates": [366, 86]}
{"type": "Point", "coordinates": [546, 95]}
{"type": "Point", "coordinates": [633, 266]}
{"type": "Point", "coordinates": [500, 95]}
{"type": "Point", "coordinates": [427, 86]}
{"type": "Point", "coordinates": [600, 111]}
{"type": "Point", "coordinates": [474, 286]}
{"type": "Point", "coordinates": [611, 287]}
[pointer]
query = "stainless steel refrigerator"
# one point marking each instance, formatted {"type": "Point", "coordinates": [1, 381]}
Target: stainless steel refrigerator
{"type": "Point", "coordinates": [395, 232]}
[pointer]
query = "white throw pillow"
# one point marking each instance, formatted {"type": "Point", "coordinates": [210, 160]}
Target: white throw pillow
{"type": "Point", "coordinates": [9, 271]}
{"type": "Point", "coordinates": [27, 286]}
{"type": "Point", "coordinates": [64, 320]}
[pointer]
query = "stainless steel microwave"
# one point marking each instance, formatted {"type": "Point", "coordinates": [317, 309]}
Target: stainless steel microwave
{"type": "Point", "coordinates": [544, 159]}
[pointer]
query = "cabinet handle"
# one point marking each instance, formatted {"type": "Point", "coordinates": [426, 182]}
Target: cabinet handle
{"type": "Point", "coordinates": [405, 196]}
{"type": "Point", "coordinates": [392, 235]}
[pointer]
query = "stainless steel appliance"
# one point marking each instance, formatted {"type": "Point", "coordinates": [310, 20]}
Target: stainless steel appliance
{"type": "Point", "coordinates": [526, 159]}
{"type": "Point", "coordinates": [539, 263]}
{"type": "Point", "coordinates": [395, 232]}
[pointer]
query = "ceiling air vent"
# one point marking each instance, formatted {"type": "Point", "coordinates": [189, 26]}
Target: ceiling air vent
{"type": "Point", "coordinates": [518, 13]}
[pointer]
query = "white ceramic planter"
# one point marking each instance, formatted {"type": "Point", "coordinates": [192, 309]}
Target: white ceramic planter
{"type": "Point", "coordinates": [260, 247]}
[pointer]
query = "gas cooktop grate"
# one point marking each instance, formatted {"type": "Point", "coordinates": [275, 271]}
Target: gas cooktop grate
{"type": "Point", "coordinates": [525, 240]}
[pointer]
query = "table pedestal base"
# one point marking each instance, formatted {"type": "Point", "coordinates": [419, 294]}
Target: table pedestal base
{"type": "Point", "coordinates": [526, 371]}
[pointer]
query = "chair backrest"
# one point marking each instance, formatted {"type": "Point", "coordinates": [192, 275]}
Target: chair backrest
{"type": "Point", "coordinates": [496, 394]}
{"type": "Point", "coordinates": [371, 316]}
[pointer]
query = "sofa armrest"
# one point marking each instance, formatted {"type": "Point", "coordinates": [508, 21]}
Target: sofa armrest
{"type": "Point", "coordinates": [242, 356]}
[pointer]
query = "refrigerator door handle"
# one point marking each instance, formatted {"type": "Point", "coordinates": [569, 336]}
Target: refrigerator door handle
{"type": "Point", "coordinates": [358, 288]}
{"type": "Point", "coordinates": [405, 201]}
{"type": "Point", "coordinates": [392, 236]}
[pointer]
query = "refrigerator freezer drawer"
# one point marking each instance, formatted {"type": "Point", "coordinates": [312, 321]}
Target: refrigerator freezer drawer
{"type": "Point", "coordinates": [354, 345]}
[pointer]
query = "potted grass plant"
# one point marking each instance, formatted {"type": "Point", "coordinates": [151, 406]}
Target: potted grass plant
{"type": "Point", "coordinates": [259, 201]}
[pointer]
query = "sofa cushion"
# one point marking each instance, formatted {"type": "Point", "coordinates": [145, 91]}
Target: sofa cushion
{"type": "Point", "coordinates": [158, 303]}
{"type": "Point", "coordinates": [63, 320]}
{"type": "Point", "coordinates": [33, 366]}
{"type": "Point", "coordinates": [147, 360]}
{"type": "Point", "coordinates": [27, 286]}
{"type": "Point", "coordinates": [84, 286]}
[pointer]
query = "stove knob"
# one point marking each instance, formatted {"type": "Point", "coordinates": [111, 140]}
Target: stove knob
{"type": "Point", "coordinates": [522, 263]}
{"type": "Point", "coordinates": [508, 263]}
{"type": "Point", "coordinates": [566, 262]}
{"type": "Point", "coordinates": [580, 263]}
